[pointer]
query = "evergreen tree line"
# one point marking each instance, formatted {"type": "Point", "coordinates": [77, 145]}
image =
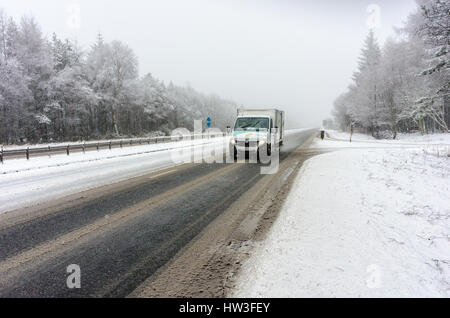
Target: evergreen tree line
{"type": "Point", "coordinates": [51, 90]}
{"type": "Point", "coordinates": [405, 85]}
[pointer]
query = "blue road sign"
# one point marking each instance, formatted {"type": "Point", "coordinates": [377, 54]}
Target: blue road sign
{"type": "Point", "coordinates": [208, 122]}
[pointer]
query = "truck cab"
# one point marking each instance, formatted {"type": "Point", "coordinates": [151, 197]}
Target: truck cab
{"type": "Point", "coordinates": [257, 129]}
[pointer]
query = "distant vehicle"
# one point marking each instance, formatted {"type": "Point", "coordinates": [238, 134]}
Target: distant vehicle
{"type": "Point", "coordinates": [252, 130]}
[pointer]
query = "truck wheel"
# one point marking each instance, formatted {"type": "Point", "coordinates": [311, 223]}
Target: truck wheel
{"type": "Point", "coordinates": [268, 151]}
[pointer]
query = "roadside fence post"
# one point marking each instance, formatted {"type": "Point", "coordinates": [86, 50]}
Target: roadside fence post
{"type": "Point", "coordinates": [49, 149]}
{"type": "Point", "coordinates": [68, 150]}
{"type": "Point", "coordinates": [98, 145]}
{"type": "Point", "coordinates": [27, 153]}
{"type": "Point", "coordinates": [1, 155]}
{"type": "Point", "coordinates": [84, 146]}
{"type": "Point", "coordinates": [121, 143]}
{"type": "Point", "coordinates": [110, 145]}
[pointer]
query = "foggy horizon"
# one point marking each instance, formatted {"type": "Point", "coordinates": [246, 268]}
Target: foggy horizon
{"type": "Point", "coordinates": [297, 56]}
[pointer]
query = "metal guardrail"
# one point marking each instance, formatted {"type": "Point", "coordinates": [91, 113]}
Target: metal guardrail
{"type": "Point", "coordinates": [86, 146]}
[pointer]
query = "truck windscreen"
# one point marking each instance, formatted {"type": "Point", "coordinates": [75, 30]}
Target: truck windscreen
{"type": "Point", "coordinates": [248, 123]}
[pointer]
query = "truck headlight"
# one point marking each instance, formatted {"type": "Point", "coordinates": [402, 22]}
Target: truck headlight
{"type": "Point", "coordinates": [233, 141]}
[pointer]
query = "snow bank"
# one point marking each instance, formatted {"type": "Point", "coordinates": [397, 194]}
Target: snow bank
{"type": "Point", "coordinates": [359, 223]}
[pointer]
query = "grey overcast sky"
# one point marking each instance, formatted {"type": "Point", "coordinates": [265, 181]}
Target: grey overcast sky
{"type": "Point", "coordinates": [294, 55]}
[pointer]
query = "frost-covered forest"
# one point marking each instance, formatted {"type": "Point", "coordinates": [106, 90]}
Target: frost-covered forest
{"type": "Point", "coordinates": [52, 90]}
{"type": "Point", "coordinates": [404, 85]}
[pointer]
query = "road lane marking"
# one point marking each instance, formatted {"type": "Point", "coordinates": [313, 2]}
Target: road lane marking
{"type": "Point", "coordinates": [162, 174]}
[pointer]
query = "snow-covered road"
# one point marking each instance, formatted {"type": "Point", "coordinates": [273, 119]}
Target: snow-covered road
{"type": "Point", "coordinates": [122, 234]}
{"type": "Point", "coordinates": [27, 182]}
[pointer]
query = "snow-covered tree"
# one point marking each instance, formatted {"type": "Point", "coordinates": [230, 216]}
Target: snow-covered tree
{"type": "Point", "coordinates": [113, 69]}
{"type": "Point", "coordinates": [406, 85]}
{"type": "Point", "coordinates": [341, 110]}
{"type": "Point", "coordinates": [53, 90]}
{"type": "Point", "coordinates": [435, 31]}
{"type": "Point", "coordinates": [365, 108]}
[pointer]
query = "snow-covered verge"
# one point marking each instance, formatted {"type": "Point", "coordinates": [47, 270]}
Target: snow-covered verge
{"type": "Point", "coordinates": [22, 164]}
{"type": "Point", "coordinates": [155, 135]}
{"type": "Point", "coordinates": [24, 183]}
{"type": "Point", "coordinates": [346, 136]}
{"type": "Point", "coordinates": [402, 138]}
{"type": "Point", "coordinates": [359, 223]}
{"type": "Point", "coordinates": [438, 144]}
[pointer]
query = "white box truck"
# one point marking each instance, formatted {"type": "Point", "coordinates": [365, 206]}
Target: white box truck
{"type": "Point", "coordinates": [255, 129]}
